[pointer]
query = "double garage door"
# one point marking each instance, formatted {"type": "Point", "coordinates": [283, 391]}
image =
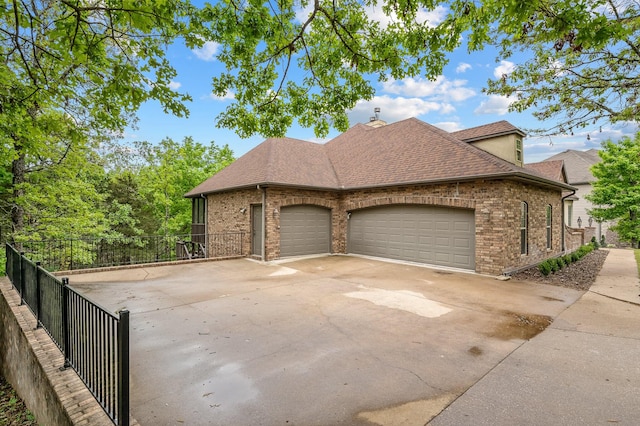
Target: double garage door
{"type": "Point", "coordinates": [426, 234]}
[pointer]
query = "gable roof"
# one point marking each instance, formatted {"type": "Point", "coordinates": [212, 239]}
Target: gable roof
{"type": "Point", "coordinates": [485, 131]}
{"type": "Point", "coordinates": [553, 169]}
{"type": "Point", "coordinates": [405, 152]}
{"type": "Point", "coordinates": [577, 165]}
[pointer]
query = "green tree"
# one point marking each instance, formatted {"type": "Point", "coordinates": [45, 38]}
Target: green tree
{"type": "Point", "coordinates": [616, 191]}
{"type": "Point", "coordinates": [73, 72]}
{"type": "Point", "coordinates": [56, 195]}
{"type": "Point", "coordinates": [584, 55]}
{"type": "Point", "coordinates": [170, 170]}
{"type": "Point", "coordinates": [583, 62]}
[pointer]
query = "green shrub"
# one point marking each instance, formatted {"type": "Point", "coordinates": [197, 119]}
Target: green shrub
{"type": "Point", "coordinates": [602, 241]}
{"type": "Point", "coordinates": [568, 259]}
{"type": "Point", "coordinates": [554, 265]}
{"type": "Point", "coordinates": [560, 262]}
{"type": "Point", "coordinates": [545, 268]}
{"type": "Point", "coordinates": [594, 243]}
{"type": "Point", "coordinates": [575, 257]}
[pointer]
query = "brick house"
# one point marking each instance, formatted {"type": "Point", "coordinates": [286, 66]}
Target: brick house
{"type": "Point", "coordinates": [406, 190]}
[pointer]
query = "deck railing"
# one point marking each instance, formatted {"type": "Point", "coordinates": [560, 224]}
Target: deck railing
{"type": "Point", "coordinates": [95, 342]}
{"type": "Point", "coordinates": [84, 253]}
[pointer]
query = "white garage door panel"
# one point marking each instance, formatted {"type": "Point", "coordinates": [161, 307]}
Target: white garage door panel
{"type": "Point", "coordinates": [426, 234]}
{"type": "Point", "coordinates": [304, 230]}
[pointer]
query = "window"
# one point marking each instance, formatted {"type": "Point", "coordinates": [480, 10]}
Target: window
{"type": "Point", "coordinates": [524, 219]}
{"type": "Point", "coordinates": [549, 221]}
{"type": "Point", "coordinates": [519, 150]}
{"type": "Point", "coordinates": [198, 210]}
{"type": "Point", "coordinates": [569, 213]}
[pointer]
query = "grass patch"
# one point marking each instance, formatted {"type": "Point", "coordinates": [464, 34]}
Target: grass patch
{"type": "Point", "coordinates": [13, 412]}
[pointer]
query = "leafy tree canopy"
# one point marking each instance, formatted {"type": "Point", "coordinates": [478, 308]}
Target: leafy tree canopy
{"type": "Point", "coordinates": [583, 66]}
{"type": "Point", "coordinates": [169, 170]}
{"type": "Point", "coordinates": [584, 55]}
{"type": "Point", "coordinates": [73, 72]}
{"type": "Point", "coordinates": [616, 191]}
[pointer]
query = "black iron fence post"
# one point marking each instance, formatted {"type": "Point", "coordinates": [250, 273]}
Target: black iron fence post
{"type": "Point", "coordinates": [38, 298]}
{"type": "Point", "coordinates": [66, 332]}
{"type": "Point", "coordinates": [21, 286]}
{"type": "Point", "coordinates": [123, 368]}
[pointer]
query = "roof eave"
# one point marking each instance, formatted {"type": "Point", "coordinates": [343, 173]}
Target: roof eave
{"type": "Point", "coordinates": [506, 175]}
{"type": "Point", "coordinates": [258, 185]}
{"type": "Point", "coordinates": [493, 176]}
{"type": "Point", "coordinates": [494, 135]}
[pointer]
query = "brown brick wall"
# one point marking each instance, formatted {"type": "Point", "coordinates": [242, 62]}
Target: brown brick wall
{"type": "Point", "coordinates": [225, 212]}
{"type": "Point", "coordinates": [496, 204]}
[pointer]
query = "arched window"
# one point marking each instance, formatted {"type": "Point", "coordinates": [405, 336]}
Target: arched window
{"type": "Point", "coordinates": [524, 224]}
{"type": "Point", "coordinates": [549, 222]}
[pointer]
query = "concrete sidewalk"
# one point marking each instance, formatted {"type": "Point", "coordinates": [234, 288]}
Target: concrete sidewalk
{"type": "Point", "coordinates": [583, 369]}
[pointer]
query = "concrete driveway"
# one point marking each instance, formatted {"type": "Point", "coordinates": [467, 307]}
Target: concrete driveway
{"type": "Point", "coordinates": [328, 340]}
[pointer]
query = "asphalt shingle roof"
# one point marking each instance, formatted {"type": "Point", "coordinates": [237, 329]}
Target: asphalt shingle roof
{"type": "Point", "coordinates": [405, 152]}
{"type": "Point", "coordinates": [502, 127]}
{"type": "Point", "coordinates": [552, 169]}
{"type": "Point", "coordinates": [577, 164]}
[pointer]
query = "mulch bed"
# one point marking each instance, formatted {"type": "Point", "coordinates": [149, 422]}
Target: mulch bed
{"type": "Point", "coordinates": [579, 275]}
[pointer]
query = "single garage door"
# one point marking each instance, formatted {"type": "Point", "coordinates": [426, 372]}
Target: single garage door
{"type": "Point", "coordinates": [304, 230]}
{"type": "Point", "coordinates": [426, 234]}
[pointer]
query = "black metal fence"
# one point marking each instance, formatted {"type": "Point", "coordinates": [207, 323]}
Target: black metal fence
{"type": "Point", "coordinates": [83, 253]}
{"type": "Point", "coordinates": [95, 342]}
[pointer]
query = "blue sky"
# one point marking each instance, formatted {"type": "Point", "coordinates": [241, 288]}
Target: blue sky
{"type": "Point", "coordinates": [454, 101]}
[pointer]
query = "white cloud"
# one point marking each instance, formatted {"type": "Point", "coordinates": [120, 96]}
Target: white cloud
{"type": "Point", "coordinates": [495, 104]}
{"type": "Point", "coordinates": [375, 13]}
{"type": "Point", "coordinates": [433, 17]}
{"type": "Point", "coordinates": [442, 89]}
{"type": "Point", "coordinates": [208, 51]}
{"type": "Point", "coordinates": [505, 68]}
{"type": "Point", "coordinates": [449, 126]}
{"type": "Point", "coordinates": [462, 67]}
{"type": "Point", "coordinates": [302, 13]}
{"type": "Point", "coordinates": [174, 85]}
{"type": "Point", "coordinates": [392, 109]}
{"type": "Point", "coordinates": [423, 16]}
{"type": "Point", "coordinates": [227, 96]}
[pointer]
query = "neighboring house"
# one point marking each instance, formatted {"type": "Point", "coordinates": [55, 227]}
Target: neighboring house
{"type": "Point", "coordinates": [578, 168]}
{"type": "Point", "coordinates": [406, 190]}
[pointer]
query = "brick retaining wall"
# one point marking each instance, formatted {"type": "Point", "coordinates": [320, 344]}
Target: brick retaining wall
{"type": "Point", "coordinates": [31, 362]}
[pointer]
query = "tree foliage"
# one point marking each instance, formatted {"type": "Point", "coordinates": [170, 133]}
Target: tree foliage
{"type": "Point", "coordinates": [616, 191]}
{"type": "Point", "coordinates": [73, 72]}
{"type": "Point", "coordinates": [583, 66]}
{"type": "Point", "coordinates": [172, 169]}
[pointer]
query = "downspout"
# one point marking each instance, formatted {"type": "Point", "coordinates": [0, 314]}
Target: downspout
{"type": "Point", "coordinates": [264, 225]}
{"type": "Point", "coordinates": [206, 227]}
{"type": "Point", "coordinates": [564, 248]}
